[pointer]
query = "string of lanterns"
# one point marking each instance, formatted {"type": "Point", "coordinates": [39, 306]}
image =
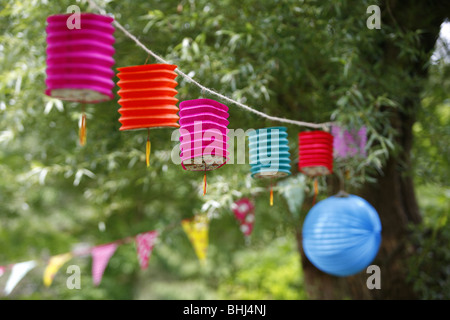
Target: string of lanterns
{"type": "Point", "coordinates": [341, 234]}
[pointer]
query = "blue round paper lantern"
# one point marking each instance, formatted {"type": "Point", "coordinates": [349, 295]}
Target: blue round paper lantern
{"type": "Point", "coordinates": [342, 235]}
{"type": "Point", "coordinates": [269, 153]}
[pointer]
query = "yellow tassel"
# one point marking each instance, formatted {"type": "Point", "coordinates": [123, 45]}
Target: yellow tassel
{"type": "Point", "coordinates": [147, 153]}
{"type": "Point", "coordinates": [271, 196]}
{"type": "Point", "coordinates": [82, 132]}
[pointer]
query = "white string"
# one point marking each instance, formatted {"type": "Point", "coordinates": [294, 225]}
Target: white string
{"type": "Point", "coordinates": [324, 125]}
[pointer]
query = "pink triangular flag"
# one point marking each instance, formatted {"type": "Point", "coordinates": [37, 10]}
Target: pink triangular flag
{"type": "Point", "coordinates": [144, 245]}
{"type": "Point", "coordinates": [2, 270]}
{"type": "Point", "coordinates": [100, 258]}
{"type": "Point", "coordinates": [244, 211]}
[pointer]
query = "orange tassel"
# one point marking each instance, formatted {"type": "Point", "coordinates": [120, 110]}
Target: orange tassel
{"type": "Point", "coordinates": [148, 149]}
{"type": "Point", "coordinates": [82, 132]}
{"type": "Point", "coordinates": [316, 190]}
{"type": "Point", "coordinates": [204, 184]}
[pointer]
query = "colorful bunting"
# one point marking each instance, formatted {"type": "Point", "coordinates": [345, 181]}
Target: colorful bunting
{"type": "Point", "coordinates": [54, 264]}
{"type": "Point", "coordinates": [19, 270]}
{"type": "Point", "coordinates": [100, 258]}
{"type": "Point", "coordinates": [244, 212]}
{"type": "Point", "coordinates": [197, 231]}
{"type": "Point", "coordinates": [100, 254]}
{"type": "Point", "coordinates": [144, 246]}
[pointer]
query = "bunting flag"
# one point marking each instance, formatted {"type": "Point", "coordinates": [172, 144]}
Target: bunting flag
{"type": "Point", "coordinates": [349, 143]}
{"type": "Point", "coordinates": [54, 264]}
{"type": "Point", "coordinates": [197, 231]}
{"type": "Point", "coordinates": [244, 212]}
{"type": "Point", "coordinates": [144, 246]}
{"type": "Point", "coordinates": [19, 270]}
{"type": "Point", "coordinates": [100, 258]}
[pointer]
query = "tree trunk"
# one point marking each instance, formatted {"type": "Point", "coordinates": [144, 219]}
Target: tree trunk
{"type": "Point", "coordinates": [393, 195]}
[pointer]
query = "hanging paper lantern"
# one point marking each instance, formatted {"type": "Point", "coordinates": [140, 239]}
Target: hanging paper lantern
{"type": "Point", "coordinates": [203, 135]}
{"type": "Point", "coordinates": [79, 61]}
{"type": "Point", "coordinates": [148, 98]}
{"type": "Point", "coordinates": [315, 153]}
{"type": "Point", "coordinates": [243, 210]}
{"type": "Point", "coordinates": [342, 235]}
{"type": "Point", "coordinates": [349, 143]}
{"type": "Point", "coordinates": [269, 154]}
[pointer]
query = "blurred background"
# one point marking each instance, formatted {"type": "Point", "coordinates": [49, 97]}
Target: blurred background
{"type": "Point", "coordinates": [310, 61]}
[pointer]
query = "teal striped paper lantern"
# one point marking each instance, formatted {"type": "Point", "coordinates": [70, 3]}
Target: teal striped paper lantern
{"type": "Point", "coordinates": [269, 153]}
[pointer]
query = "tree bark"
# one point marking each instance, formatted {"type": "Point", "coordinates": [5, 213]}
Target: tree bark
{"type": "Point", "coordinates": [393, 195]}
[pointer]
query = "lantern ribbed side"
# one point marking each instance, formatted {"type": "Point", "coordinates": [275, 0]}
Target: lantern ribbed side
{"type": "Point", "coordinates": [79, 61]}
{"type": "Point", "coordinates": [341, 235]}
{"type": "Point", "coordinates": [315, 153]}
{"type": "Point", "coordinates": [269, 153]}
{"type": "Point", "coordinates": [203, 134]}
{"type": "Point", "coordinates": [147, 96]}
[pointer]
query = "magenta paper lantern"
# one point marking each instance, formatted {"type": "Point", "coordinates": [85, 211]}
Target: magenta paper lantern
{"type": "Point", "coordinates": [203, 134]}
{"type": "Point", "coordinates": [79, 61]}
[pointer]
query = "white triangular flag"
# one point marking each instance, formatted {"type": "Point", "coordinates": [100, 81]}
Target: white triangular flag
{"type": "Point", "coordinates": [19, 270]}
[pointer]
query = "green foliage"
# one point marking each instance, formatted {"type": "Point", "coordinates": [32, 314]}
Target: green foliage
{"type": "Point", "coordinates": [273, 273]}
{"type": "Point", "coordinates": [429, 269]}
{"type": "Point", "coordinates": [431, 150]}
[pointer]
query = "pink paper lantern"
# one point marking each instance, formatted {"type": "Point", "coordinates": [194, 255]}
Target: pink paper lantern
{"type": "Point", "coordinates": [349, 143]}
{"type": "Point", "coordinates": [203, 134]}
{"type": "Point", "coordinates": [79, 61]}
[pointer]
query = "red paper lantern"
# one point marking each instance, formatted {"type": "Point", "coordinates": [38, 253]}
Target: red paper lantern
{"type": "Point", "coordinates": [148, 98]}
{"type": "Point", "coordinates": [315, 153]}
